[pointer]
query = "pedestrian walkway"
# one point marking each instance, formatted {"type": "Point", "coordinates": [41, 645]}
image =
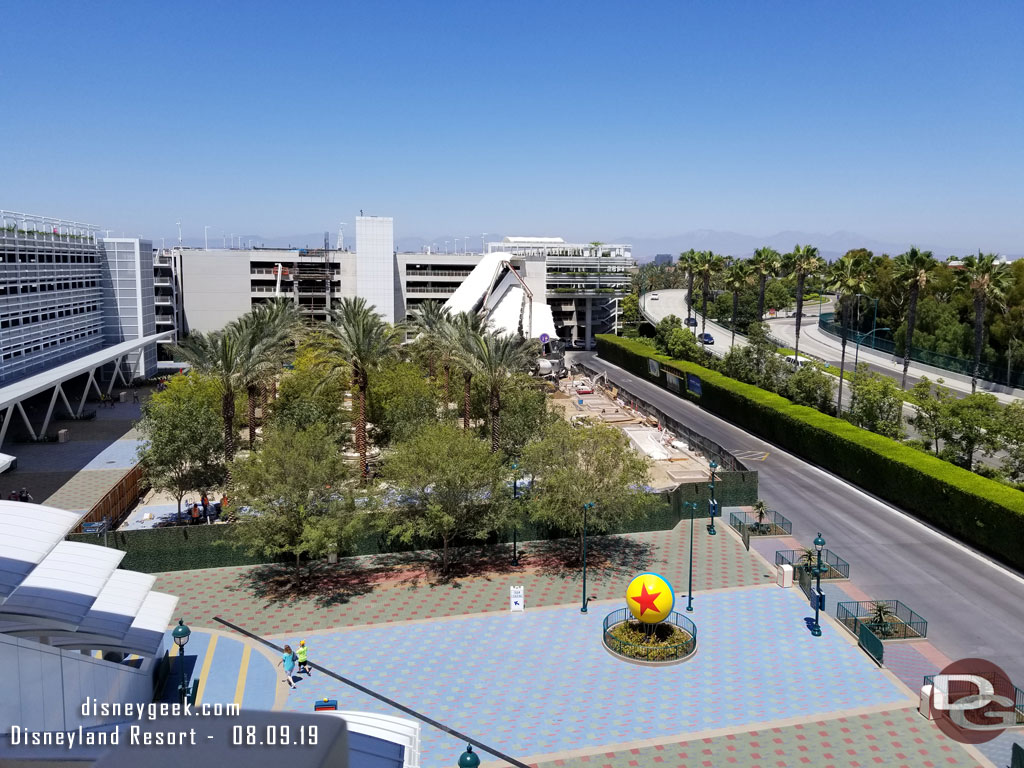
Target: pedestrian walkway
{"type": "Point", "coordinates": [229, 670]}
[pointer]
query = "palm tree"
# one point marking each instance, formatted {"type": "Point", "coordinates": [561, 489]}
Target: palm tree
{"type": "Point", "coordinates": [430, 319]}
{"type": "Point", "coordinates": [267, 332]}
{"type": "Point", "coordinates": [880, 618]}
{"type": "Point", "coordinates": [358, 337]}
{"type": "Point", "coordinates": [848, 278]}
{"type": "Point", "coordinates": [706, 265]}
{"type": "Point", "coordinates": [761, 513]}
{"type": "Point", "coordinates": [737, 277]}
{"type": "Point", "coordinates": [802, 262]}
{"type": "Point", "coordinates": [988, 280]}
{"type": "Point", "coordinates": [219, 354]}
{"type": "Point", "coordinates": [495, 359]}
{"type": "Point", "coordinates": [766, 262]}
{"type": "Point", "coordinates": [913, 268]}
{"type": "Point", "coordinates": [459, 335]}
{"type": "Point", "coordinates": [686, 261]}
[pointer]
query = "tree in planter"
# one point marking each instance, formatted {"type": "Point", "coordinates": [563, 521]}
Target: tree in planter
{"type": "Point", "coordinates": [449, 485]}
{"type": "Point", "coordinates": [401, 401]}
{"type": "Point", "coordinates": [760, 513]}
{"type": "Point", "coordinates": [572, 467]}
{"type": "Point", "coordinates": [183, 444]}
{"type": "Point", "coordinates": [880, 618]}
{"type": "Point", "coordinates": [808, 558]}
{"type": "Point", "coordinates": [296, 491]}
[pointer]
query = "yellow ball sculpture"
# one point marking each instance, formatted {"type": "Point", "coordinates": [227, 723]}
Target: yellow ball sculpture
{"type": "Point", "coordinates": [650, 598]}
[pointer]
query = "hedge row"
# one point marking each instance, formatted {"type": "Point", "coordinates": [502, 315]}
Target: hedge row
{"type": "Point", "coordinates": [979, 511]}
{"type": "Point", "coordinates": [212, 546]}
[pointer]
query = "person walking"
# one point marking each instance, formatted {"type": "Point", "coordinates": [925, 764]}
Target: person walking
{"type": "Point", "coordinates": [288, 659]}
{"type": "Point", "coordinates": [14, 496]}
{"type": "Point", "coordinates": [25, 496]}
{"type": "Point", "coordinates": [135, 395]}
{"type": "Point", "coordinates": [302, 658]}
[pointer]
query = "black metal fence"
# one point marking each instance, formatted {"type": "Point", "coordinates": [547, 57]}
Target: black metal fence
{"type": "Point", "coordinates": [895, 622]}
{"type": "Point", "coordinates": [773, 524]}
{"type": "Point", "coordinates": [961, 688]}
{"type": "Point", "coordinates": [837, 567]}
{"type": "Point", "coordinates": [645, 651]}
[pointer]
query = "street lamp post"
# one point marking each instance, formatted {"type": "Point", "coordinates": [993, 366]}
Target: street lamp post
{"type": "Point", "coordinates": [712, 504]}
{"type": "Point", "coordinates": [589, 505]}
{"type": "Point", "coordinates": [856, 351]}
{"type": "Point", "coordinates": [180, 635]}
{"type": "Point", "coordinates": [206, 237]}
{"type": "Point", "coordinates": [515, 496]}
{"type": "Point", "coordinates": [819, 544]}
{"type": "Point", "coordinates": [689, 597]}
{"type": "Point", "coordinates": [469, 758]}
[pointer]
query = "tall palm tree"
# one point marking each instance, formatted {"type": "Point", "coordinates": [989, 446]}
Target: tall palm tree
{"type": "Point", "coordinates": [847, 277]}
{"type": "Point", "coordinates": [430, 319]}
{"type": "Point", "coordinates": [686, 261]}
{"type": "Point", "coordinates": [913, 268]}
{"type": "Point", "coordinates": [737, 277]}
{"type": "Point", "coordinates": [766, 262]}
{"type": "Point", "coordinates": [988, 280]}
{"type": "Point", "coordinates": [494, 359]}
{"type": "Point", "coordinates": [359, 338]}
{"type": "Point", "coordinates": [219, 354]}
{"type": "Point", "coordinates": [706, 265]}
{"type": "Point", "coordinates": [802, 262]}
{"type": "Point", "coordinates": [459, 335]}
{"type": "Point", "coordinates": [266, 335]}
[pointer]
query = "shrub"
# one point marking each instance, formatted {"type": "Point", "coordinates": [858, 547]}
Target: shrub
{"type": "Point", "coordinates": [979, 511]}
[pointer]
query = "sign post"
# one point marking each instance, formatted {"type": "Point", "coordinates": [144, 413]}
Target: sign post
{"type": "Point", "coordinates": [516, 600]}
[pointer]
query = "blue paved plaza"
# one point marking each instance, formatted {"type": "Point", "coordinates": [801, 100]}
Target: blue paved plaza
{"type": "Point", "coordinates": [541, 682]}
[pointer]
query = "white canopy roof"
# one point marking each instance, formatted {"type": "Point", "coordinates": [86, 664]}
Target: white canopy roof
{"type": "Point", "coordinates": [60, 591]}
{"type": "Point", "coordinates": [147, 631]}
{"type": "Point", "coordinates": [28, 532]}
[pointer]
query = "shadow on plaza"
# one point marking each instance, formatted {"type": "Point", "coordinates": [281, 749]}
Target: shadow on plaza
{"type": "Point", "coordinates": [327, 585]}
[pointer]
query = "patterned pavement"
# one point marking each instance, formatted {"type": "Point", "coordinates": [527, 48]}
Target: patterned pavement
{"type": "Point", "coordinates": [378, 589]}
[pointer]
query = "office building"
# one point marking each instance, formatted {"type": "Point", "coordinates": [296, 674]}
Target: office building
{"type": "Point", "coordinates": [663, 259]}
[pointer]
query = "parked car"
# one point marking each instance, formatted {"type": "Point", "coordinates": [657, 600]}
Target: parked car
{"type": "Point", "coordinates": [691, 322]}
{"type": "Point", "coordinates": [706, 338]}
{"type": "Point", "coordinates": [653, 297]}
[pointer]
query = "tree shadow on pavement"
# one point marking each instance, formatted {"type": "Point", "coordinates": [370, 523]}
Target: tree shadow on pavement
{"type": "Point", "coordinates": [607, 556]}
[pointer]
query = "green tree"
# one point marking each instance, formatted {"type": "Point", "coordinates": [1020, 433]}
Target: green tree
{"type": "Point", "coordinates": [876, 403]}
{"type": "Point", "coordinates": [987, 279]}
{"type": "Point", "coordinates": [308, 395]}
{"type": "Point", "coordinates": [358, 340]}
{"type": "Point", "coordinates": [293, 495]}
{"type": "Point", "coordinates": [461, 334]}
{"type": "Point", "coordinates": [430, 321]}
{"type": "Point", "coordinates": [401, 401]}
{"type": "Point", "coordinates": [706, 266]}
{"type": "Point", "coordinates": [1012, 421]}
{"type": "Point", "coordinates": [766, 262]}
{"type": "Point", "coordinates": [848, 278]}
{"type": "Point", "coordinates": [449, 486]}
{"type": "Point", "coordinates": [572, 467]}
{"type": "Point", "coordinates": [803, 262]}
{"type": "Point", "coordinates": [738, 277]}
{"type": "Point", "coordinates": [932, 406]}
{"type": "Point", "coordinates": [686, 263]}
{"type": "Point", "coordinates": [630, 309]}
{"type": "Point", "coordinates": [913, 269]}
{"type": "Point", "coordinates": [494, 359]}
{"type": "Point", "coordinates": [681, 345]}
{"type": "Point", "coordinates": [662, 330]}
{"type": "Point", "coordinates": [810, 385]}
{"type": "Point", "coordinates": [182, 446]}
{"type": "Point", "coordinates": [776, 295]}
{"type": "Point", "coordinates": [973, 424]}
{"type": "Point", "coordinates": [525, 414]}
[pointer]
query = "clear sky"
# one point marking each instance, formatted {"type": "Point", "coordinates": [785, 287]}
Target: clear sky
{"type": "Point", "coordinates": [900, 121]}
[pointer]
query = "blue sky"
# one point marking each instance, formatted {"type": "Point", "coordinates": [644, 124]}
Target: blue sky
{"type": "Point", "coordinates": [900, 121]}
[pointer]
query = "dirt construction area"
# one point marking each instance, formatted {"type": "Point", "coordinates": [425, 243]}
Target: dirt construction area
{"type": "Point", "coordinates": [672, 460]}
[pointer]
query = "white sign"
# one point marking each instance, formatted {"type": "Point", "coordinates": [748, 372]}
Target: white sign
{"type": "Point", "coordinates": [516, 601]}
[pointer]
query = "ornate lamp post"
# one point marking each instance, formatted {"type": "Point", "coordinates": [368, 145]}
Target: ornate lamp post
{"type": "Point", "coordinates": [589, 505]}
{"type": "Point", "coordinates": [469, 758]}
{"type": "Point", "coordinates": [819, 544]}
{"type": "Point", "coordinates": [181, 634]}
{"type": "Point", "coordinates": [689, 597]}
{"type": "Point", "coordinates": [712, 505]}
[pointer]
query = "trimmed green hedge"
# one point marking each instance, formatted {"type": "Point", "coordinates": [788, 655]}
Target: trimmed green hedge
{"type": "Point", "coordinates": [979, 511]}
{"type": "Point", "coordinates": [212, 546]}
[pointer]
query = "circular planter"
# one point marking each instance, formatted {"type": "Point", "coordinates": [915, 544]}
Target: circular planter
{"type": "Point", "coordinates": [650, 654]}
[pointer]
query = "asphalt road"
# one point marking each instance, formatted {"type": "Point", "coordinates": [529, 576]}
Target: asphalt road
{"type": "Point", "coordinates": [974, 607]}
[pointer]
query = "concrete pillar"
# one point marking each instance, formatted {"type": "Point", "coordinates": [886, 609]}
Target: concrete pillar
{"type": "Point", "coordinates": [589, 327]}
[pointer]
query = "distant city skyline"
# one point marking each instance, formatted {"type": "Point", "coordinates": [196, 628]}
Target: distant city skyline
{"type": "Point", "coordinates": [900, 123]}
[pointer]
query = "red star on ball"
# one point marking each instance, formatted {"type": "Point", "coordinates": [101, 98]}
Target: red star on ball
{"type": "Point", "coordinates": [646, 600]}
